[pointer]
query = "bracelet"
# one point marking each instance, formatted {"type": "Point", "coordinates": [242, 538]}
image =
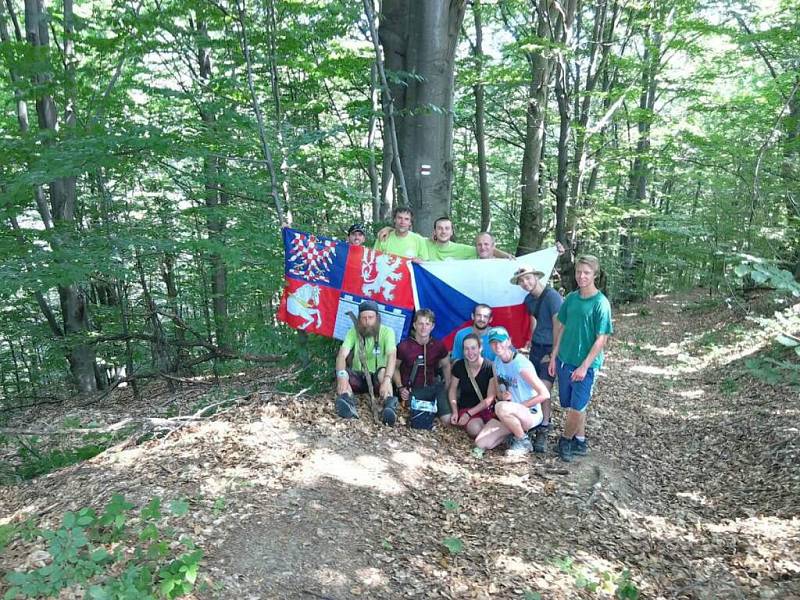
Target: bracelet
{"type": "Point", "coordinates": [341, 374]}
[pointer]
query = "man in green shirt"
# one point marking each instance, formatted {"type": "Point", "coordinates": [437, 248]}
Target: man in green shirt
{"type": "Point", "coordinates": [400, 239]}
{"type": "Point", "coordinates": [581, 332]}
{"type": "Point", "coordinates": [375, 355]}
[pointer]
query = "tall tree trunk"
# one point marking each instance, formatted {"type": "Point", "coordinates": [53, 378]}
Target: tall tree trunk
{"type": "Point", "coordinates": [63, 196]}
{"type": "Point", "coordinates": [531, 212]}
{"type": "Point", "coordinates": [215, 200]}
{"type": "Point", "coordinates": [419, 37]}
{"type": "Point", "coordinates": [480, 116]}
{"type": "Point", "coordinates": [641, 171]}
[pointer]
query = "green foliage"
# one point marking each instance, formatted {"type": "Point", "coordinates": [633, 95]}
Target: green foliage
{"type": "Point", "coordinates": [599, 580]}
{"type": "Point", "coordinates": [454, 545]}
{"type": "Point", "coordinates": [111, 558]}
{"type": "Point", "coordinates": [762, 272]}
{"type": "Point", "coordinates": [451, 505]}
{"type": "Point", "coordinates": [35, 461]}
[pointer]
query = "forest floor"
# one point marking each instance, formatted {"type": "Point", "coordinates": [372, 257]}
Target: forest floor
{"type": "Point", "coordinates": [691, 488]}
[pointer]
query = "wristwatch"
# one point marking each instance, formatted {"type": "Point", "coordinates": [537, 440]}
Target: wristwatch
{"type": "Point", "coordinates": [341, 374]}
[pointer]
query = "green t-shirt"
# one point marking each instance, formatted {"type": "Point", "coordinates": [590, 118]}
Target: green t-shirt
{"type": "Point", "coordinates": [411, 245]}
{"type": "Point", "coordinates": [449, 251]}
{"type": "Point", "coordinates": [584, 320]}
{"type": "Point", "coordinates": [376, 351]}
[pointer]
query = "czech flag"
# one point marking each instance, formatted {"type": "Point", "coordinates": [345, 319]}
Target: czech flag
{"type": "Point", "coordinates": [452, 288]}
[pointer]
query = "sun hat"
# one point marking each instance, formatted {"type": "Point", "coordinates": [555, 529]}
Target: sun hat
{"type": "Point", "coordinates": [522, 271]}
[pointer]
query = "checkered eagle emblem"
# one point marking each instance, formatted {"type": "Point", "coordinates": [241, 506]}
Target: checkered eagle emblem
{"type": "Point", "coordinates": [310, 257]}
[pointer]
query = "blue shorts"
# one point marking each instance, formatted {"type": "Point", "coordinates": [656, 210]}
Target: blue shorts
{"type": "Point", "coordinates": [538, 352]}
{"type": "Point", "coordinates": [574, 394]}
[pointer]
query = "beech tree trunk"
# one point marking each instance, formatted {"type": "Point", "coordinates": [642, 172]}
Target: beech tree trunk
{"type": "Point", "coordinates": [419, 37]}
{"type": "Point", "coordinates": [531, 230]}
{"type": "Point", "coordinates": [480, 116]}
{"type": "Point", "coordinates": [63, 195]}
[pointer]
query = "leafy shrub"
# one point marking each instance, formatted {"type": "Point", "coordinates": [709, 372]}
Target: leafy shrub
{"type": "Point", "coordinates": [111, 558]}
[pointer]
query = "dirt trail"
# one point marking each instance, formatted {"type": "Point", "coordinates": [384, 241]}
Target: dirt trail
{"type": "Point", "coordinates": [692, 486]}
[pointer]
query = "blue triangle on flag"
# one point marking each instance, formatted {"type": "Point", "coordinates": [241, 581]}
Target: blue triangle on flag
{"type": "Point", "coordinates": [450, 306]}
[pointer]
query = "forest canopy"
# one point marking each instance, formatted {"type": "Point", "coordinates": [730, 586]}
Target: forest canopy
{"type": "Point", "coordinates": [151, 151]}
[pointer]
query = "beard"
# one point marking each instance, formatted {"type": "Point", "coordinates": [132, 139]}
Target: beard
{"type": "Point", "coordinates": [366, 331]}
{"type": "Point", "coordinates": [479, 328]}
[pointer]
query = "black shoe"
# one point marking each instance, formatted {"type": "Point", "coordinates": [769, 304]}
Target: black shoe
{"type": "Point", "coordinates": [579, 448]}
{"type": "Point", "coordinates": [565, 449]}
{"type": "Point", "coordinates": [540, 440]}
{"type": "Point", "coordinates": [390, 411]}
{"type": "Point", "coordinates": [346, 406]}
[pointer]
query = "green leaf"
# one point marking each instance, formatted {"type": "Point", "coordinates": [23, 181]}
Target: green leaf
{"type": "Point", "coordinates": [758, 276]}
{"type": "Point", "coordinates": [742, 270]}
{"type": "Point", "coordinates": [100, 555]}
{"type": "Point", "coordinates": [453, 544]}
{"type": "Point", "coordinates": [68, 521]}
{"type": "Point", "coordinates": [785, 340]}
{"type": "Point", "coordinates": [152, 510]}
{"type": "Point", "coordinates": [179, 507]}
{"type": "Point", "coordinates": [450, 505]}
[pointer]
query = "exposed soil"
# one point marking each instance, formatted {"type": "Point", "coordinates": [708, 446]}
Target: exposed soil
{"type": "Point", "coordinates": [692, 484]}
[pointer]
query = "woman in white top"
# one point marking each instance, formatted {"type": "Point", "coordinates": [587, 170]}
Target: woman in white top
{"type": "Point", "coordinates": [519, 394]}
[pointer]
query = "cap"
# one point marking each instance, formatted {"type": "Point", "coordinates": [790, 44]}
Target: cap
{"type": "Point", "coordinates": [498, 334]}
{"type": "Point", "coordinates": [356, 227]}
{"type": "Point", "coordinates": [525, 271]}
{"type": "Point", "coordinates": [367, 305]}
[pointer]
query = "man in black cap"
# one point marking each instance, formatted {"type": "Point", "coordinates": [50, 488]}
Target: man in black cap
{"type": "Point", "coordinates": [375, 356]}
{"type": "Point", "coordinates": [356, 235]}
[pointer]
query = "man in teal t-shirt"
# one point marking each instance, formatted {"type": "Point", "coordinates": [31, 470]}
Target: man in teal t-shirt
{"type": "Point", "coordinates": [582, 329]}
{"type": "Point", "coordinates": [376, 343]}
{"type": "Point", "coordinates": [400, 239]}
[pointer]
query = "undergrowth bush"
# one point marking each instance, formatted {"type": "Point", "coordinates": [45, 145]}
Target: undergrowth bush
{"type": "Point", "coordinates": [112, 555]}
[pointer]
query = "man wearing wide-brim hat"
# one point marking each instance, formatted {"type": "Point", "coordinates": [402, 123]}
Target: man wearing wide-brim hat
{"type": "Point", "coordinates": [543, 303]}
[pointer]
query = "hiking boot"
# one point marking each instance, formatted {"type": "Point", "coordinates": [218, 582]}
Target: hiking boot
{"type": "Point", "coordinates": [579, 448]}
{"type": "Point", "coordinates": [519, 447]}
{"type": "Point", "coordinates": [390, 411]}
{"type": "Point", "coordinates": [565, 449]}
{"type": "Point", "coordinates": [346, 406]}
{"type": "Point", "coordinates": [540, 439]}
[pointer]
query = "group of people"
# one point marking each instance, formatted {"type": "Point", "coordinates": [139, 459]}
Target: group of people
{"type": "Point", "coordinates": [497, 393]}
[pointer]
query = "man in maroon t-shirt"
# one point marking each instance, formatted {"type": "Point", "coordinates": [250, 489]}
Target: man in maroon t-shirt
{"type": "Point", "coordinates": [429, 355]}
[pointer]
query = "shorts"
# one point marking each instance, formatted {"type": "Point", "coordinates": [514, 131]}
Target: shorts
{"type": "Point", "coordinates": [538, 352]}
{"type": "Point", "coordinates": [487, 414]}
{"type": "Point", "coordinates": [574, 394]}
{"type": "Point", "coordinates": [359, 383]}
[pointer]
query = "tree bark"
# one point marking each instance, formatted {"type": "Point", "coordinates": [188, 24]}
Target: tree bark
{"type": "Point", "coordinates": [480, 117]}
{"type": "Point", "coordinates": [419, 37]}
{"type": "Point", "coordinates": [63, 196]}
{"type": "Point", "coordinates": [531, 212]}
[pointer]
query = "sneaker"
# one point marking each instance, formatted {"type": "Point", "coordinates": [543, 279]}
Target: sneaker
{"type": "Point", "coordinates": [519, 447]}
{"type": "Point", "coordinates": [579, 448]}
{"type": "Point", "coordinates": [565, 449]}
{"type": "Point", "coordinates": [346, 406]}
{"type": "Point", "coordinates": [540, 439]}
{"type": "Point", "coordinates": [390, 411]}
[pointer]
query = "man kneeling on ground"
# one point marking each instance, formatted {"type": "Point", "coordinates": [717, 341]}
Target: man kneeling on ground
{"type": "Point", "coordinates": [374, 356]}
{"type": "Point", "coordinates": [419, 357]}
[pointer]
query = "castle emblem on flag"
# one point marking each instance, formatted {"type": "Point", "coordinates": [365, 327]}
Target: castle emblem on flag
{"type": "Point", "coordinates": [310, 257]}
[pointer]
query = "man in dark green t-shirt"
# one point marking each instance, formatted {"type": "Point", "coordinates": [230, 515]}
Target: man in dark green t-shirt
{"type": "Point", "coordinates": [581, 332]}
